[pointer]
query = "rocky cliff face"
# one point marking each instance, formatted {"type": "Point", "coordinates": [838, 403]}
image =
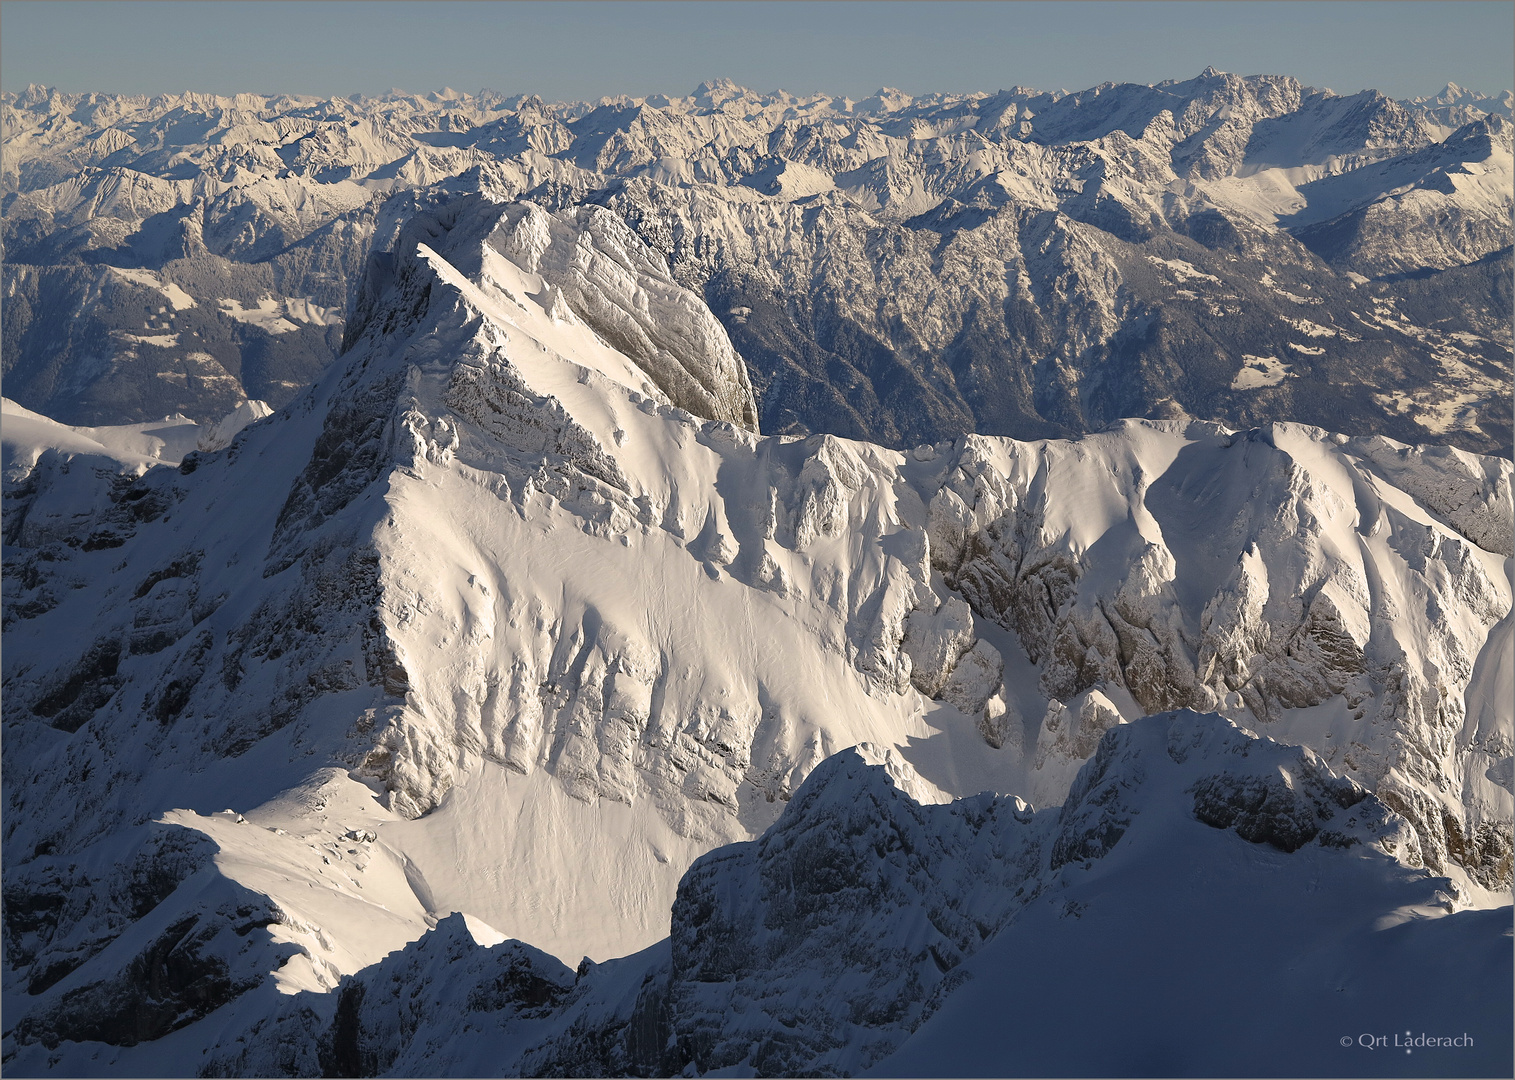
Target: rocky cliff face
{"type": "Point", "coordinates": [900, 270]}
{"type": "Point", "coordinates": [490, 596]}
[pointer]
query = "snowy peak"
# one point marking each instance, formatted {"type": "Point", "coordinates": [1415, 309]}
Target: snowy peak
{"type": "Point", "coordinates": [1285, 797]}
{"type": "Point", "coordinates": [571, 282]}
{"type": "Point", "coordinates": [1456, 106]}
{"type": "Point", "coordinates": [220, 436]}
{"type": "Point", "coordinates": [1452, 94]}
{"type": "Point", "coordinates": [715, 93]}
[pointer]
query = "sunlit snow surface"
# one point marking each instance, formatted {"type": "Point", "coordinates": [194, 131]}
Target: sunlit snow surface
{"type": "Point", "coordinates": [28, 435]}
{"type": "Point", "coordinates": [486, 624]}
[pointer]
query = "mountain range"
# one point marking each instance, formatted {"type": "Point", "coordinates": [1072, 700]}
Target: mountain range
{"type": "Point", "coordinates": [898, 269]}
{"type": "Point", "coordinates": [515, 700]}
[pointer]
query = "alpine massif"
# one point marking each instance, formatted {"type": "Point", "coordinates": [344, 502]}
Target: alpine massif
{"type": "Point", "coordinates": [900, 270]}
{"type": "Point", "coordinates": [722, 552]}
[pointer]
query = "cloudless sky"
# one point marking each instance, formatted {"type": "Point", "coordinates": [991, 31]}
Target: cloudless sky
{"type": "Point", "coordinates": [583, 50]}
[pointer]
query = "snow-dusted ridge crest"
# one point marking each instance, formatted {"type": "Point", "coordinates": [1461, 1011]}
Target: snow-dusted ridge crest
{"type": "Point", "coordinates": [516, 585]}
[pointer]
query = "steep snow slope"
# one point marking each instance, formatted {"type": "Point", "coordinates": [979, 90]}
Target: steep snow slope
{"type": "Point", "coordinates": [487, 622]}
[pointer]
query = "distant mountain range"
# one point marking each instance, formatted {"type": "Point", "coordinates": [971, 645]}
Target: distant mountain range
{"type": "Point", "coordinates": [898, 269]}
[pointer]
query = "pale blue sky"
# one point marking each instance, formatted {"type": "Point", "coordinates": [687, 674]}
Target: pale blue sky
{"type": "Point", "coordinates": [582, 50]}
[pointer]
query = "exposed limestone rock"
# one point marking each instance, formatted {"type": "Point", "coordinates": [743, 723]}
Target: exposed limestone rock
{"type": "Point", "coordinates": [935, 641]}
{"type": "Point", "coordinates": [975, 679]}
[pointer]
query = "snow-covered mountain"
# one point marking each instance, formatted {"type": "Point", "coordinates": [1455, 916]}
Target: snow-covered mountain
{"type": "Point", "coordinates": [516, 614]}
{"type": "Point", "coordinates": [867, 933]}
{"type": "Point", "coordinates": [901, 270]}
{"type": "Point", "coordinates": [1456, 105]}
